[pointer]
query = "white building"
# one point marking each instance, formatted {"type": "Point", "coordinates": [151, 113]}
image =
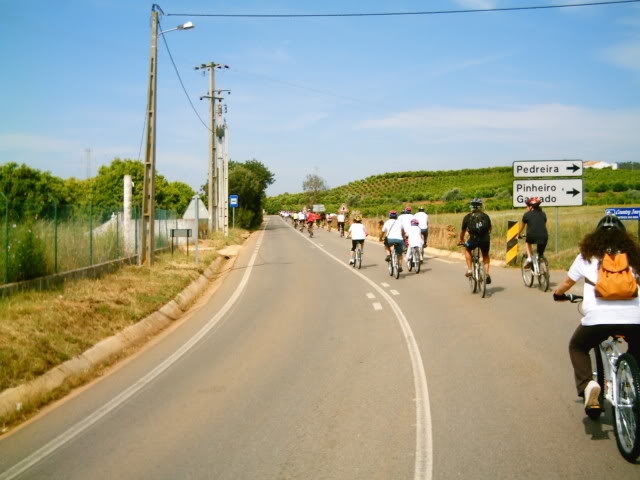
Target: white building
{"type": "Point", "coordinates": [600, 165]}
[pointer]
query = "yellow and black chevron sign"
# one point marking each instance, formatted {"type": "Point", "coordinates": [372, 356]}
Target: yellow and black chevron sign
{"type": "Point", "coordinates": [512, 242]}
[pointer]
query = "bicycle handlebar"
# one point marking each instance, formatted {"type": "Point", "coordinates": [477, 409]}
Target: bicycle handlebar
{"type": "Point", "coordinates": [567, 297]}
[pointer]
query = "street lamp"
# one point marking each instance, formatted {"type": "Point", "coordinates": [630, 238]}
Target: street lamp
{"type": "Point", "coordinates": [147, 242]}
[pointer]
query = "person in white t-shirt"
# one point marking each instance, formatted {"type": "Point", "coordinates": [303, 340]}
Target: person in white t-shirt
{"type": "Point", "coordinates": [405, 219]}
{"type": "Point", "coordinates": [602, 318]}
{"type": "Point", "coordinates": [414, 238]}
{"type": "Point", "coordinates": [358, 234]}
{"type": "Point", "coordinates": [423, 223]}
{"type": "Point", "coordinates": [302, 216]}
{"type": "Point", "coordinates": [393, 234]}
{"type": "Point", "coordinates": [341, 220]}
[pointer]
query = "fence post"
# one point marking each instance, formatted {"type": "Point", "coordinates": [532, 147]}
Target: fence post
{"type": "Point", "coordinates": [6, 238]}
{"type": "Point", "coordinates": [55, 237]}
{"type": "Point", "coordinates": [117, 235]}
{"type": "Point", "coordinates": [90, 233]}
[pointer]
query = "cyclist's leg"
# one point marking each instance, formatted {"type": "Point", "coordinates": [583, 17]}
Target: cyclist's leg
{"type": "Point", "coordinates": [541, 246]}
{"type": "Point", "coordinates": [353, 250]}
{"type": "Point", "coordinates": [632, 337]}
{"type": "Point", "coordinates": [583, 340]}
{"type": "Point", "coordinates": [467, 256]}
{"type": "Point", "coordinates": [486, 259]}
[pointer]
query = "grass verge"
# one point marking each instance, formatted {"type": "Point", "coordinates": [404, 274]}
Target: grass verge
{"type": "Point", "coordinates": [41, 330]}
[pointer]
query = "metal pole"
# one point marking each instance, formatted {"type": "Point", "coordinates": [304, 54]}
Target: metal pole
{"type": "Point", "coordinates": [557, 229]}
{"type": "Point", "coordinates": [196, 236]}
{"type": "Point", "coordinates": [55, 238]}
{"type": "Point", "coordinates": [90, 233]}
{"type": "Point", "coordinates": [234, 218]}
{"type": "Point", "coordinates": [225, 180]}
{"type": "Point", "coordinates": [148, 191]}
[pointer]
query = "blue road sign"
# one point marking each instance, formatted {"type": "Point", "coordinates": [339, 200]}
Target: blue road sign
{"type": "Point", "coordinates": [233, 201]}
{"type": "Point", "coordinates": [626, 213]}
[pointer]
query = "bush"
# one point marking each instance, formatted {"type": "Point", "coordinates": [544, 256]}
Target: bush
{"type": "Point", "coordinates": [26, 255]}
{"type": "Point", "coordinates": [452, 195]}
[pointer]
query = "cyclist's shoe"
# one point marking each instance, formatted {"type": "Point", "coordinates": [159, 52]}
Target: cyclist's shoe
{"type": "Point", "coordinates": [351, 261]}
{"type": "Point", "coordinates": [468, 274]}
{"type": "Point", "coordinates": [399, 269]}
{"type": "Point", "coordinates": [488, 279]}
{"type": "Point", "coordinates": [528, 262]}
{"type": "Point", "coordinates": [388, 259]}
{"type": "Point", "coordinates": [591, 396]}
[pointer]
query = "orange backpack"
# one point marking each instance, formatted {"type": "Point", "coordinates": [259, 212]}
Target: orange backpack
{"type": "Point", "coordinates": [616, 281]}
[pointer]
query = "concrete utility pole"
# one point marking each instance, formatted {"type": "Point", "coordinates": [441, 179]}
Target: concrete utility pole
{"type": "Point", "coordinates": [213, 190]}
{"type": "Point", "coordinates": [147, 240]}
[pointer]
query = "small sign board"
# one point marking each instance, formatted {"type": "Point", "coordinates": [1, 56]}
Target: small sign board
{"type": "Point", "coordinates": [344, 208]}
{"type": "Point", "coordinates": [318, 208]}
{"type": "Point", "coordinates": [233, 201]}
{"type": "Point", "coordinates": [547, 168]}
{"type": "Point", "coordinates": [554, 193]}
{"type": "Point", "coordinates": [625, 213]}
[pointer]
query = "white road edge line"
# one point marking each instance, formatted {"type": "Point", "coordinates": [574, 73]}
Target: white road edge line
{"type": "Point", "coordinates": [114, 403]}
{"type": "Point", "coordinates": [423, 469]}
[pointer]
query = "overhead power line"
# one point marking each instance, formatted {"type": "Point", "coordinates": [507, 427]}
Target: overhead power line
{"type": "Point", "coordinates": [181, 82]}
{"type": "Point", "coordinates": [389, 14]}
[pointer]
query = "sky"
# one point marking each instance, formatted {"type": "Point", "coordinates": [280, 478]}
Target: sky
{"type": "Point", "coordinates": [340, 97]}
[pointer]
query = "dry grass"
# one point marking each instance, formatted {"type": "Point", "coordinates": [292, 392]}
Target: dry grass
{"type": "Point", "coordinates": [40, 330]}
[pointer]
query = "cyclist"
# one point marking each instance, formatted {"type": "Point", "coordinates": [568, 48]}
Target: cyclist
{"type": "Point", "coordinates": [302, 216]}
{"type": "Point", "coordinates": [393, 236]}
{"type": "Point", "coordinates": [414, 238]}
{"type": "Point", "coordinates": [478, 224]}
{"type": "Point", "coordinates": [405, 219]}
{"type": "Point", "coordinates": [358, 234]}
{"type": "Point", "coordinates": [536, 222]}
{"type": "Point", "coordinates": [423, 222]}
{"type": "Point", "coordinates": [602, 318]}
{"type": "Point", "coordinates": [311, 218]}
{"type": "Point", "coordinates": [341, 219]}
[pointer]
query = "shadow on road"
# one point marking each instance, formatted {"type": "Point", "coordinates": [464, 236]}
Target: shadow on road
{"type": "Point", "coordinates": [492, 290]}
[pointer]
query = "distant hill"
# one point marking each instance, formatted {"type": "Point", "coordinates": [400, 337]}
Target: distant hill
{"type": "Point", "coordinates": [451, 190]}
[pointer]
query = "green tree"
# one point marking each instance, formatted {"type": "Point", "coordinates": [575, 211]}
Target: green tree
{"type": "Point", "coordinates": [249, 180]}
{"type": "Point", "coordinates": [313, 185]}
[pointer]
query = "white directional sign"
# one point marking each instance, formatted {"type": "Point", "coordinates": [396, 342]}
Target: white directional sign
{"type": "Point", "coordinates": [547, 168]}
{"type": "Point", "coordinates": [554, 193]}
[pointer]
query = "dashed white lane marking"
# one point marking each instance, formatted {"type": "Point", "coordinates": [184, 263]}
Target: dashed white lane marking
{"type": "Point", "coordinates": [377, 306]}
{"type": "Point", "coordinates": [385, 284]}
{"type": "Point", "coordinates": [370, 296]}
{"type": "Point", "coordinates": [394, 292]}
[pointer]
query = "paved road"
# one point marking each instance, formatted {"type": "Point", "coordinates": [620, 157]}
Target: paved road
{"type": "Point", "coordinates": [299, 367]}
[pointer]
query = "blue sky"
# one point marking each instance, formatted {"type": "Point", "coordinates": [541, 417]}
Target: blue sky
{"type": "Point", "coordinates": [341, 97]}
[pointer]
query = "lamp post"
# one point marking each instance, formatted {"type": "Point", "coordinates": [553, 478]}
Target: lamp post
{"type": "Point", "coordinates": [148, 191]}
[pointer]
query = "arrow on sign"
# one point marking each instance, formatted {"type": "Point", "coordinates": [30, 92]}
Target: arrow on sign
{"type": "Point", "coordinates": [573, 168]}
{"type": "Point", "coordinates": [574, 192]}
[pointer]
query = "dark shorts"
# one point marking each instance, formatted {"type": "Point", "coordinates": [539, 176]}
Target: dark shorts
{"type": "Point", "coordinates": [484, 246]}
{"type": "Point", "coordinates": [356, 242]}
{"type": "Point", "coordinates": [425, 235]}
{"type": "Point", "coordinates": [399, 244]}
{"type": "Point", "coordinates": [540, 242]}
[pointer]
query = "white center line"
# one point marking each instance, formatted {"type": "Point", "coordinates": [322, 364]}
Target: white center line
{"type": "Point", "coordinates": [370, 296]}
{"type": "Point", "coordinates": [394, 292]}
{"type": "Point", "coordinates": [377, 306]}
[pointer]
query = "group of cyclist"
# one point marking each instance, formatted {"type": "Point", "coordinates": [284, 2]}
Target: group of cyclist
{"type": "Point", "coordinates": [405, 230]}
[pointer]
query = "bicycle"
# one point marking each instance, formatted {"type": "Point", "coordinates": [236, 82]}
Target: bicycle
{"type": "Point", "coordinates": [416, 259]}
{"type": "Point", "coordinates": [394, 265]}
{"type": "Point", "coordinates": [357, 259]}
{"type": "Point", "coordinates": [478, 277]}
{"type": "Point", "coordinates": [618, 375]}
{"type": "Point", "coordinates": [310, 229]}
{"type": "Point", "coordinates": [538, 268]}
{"type": "Point", "coordinates": [341, 229]}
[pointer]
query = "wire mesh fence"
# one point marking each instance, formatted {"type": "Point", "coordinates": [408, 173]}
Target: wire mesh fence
{"type": "Point", "coordinates": [60, 238]}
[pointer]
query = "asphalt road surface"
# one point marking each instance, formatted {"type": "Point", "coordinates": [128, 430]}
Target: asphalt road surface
{"type": "Point", "coordinates": [300, 367]}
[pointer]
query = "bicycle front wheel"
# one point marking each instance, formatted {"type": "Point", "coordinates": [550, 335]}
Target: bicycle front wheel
{"type": "Point", "coordinates": [627, 407]}
{"type": "Point", "coordinates": [473, 284]}
{"type": "Point", "coordinates": [543, 278]}
{"type": "Point", "coordinates": [527, 272]}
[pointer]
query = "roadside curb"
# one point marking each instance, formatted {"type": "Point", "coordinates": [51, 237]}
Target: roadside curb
{"type": "Point", "coordinates": [13, 399]}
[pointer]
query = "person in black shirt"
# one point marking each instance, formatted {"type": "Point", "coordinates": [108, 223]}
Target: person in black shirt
{"type": "Point", "coordinates": [536, 222]}
{"type": "Point", "coordinates": [478, 224]}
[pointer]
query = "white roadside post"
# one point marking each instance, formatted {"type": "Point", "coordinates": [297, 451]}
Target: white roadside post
{"type": "Point", "coordinates": [195, 236]}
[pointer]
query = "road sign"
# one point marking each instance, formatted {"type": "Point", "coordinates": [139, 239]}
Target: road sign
{"type": "Point", "coordinates": [626, 213]}
{"type": "Point", "coordinates": [547, 168]}
{"type": "Point", "coordinates": [233, 201]}
{"type": "Point", "coordinates": [344, 208]}
{"type": "Point", "coordinates": [318, 208]}
{"type": "Point", "coordinates": [554, 193]}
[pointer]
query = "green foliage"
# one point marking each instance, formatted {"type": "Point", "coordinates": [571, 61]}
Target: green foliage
{"type": "Point", "coordinates": [26, 255]}
{"type": "Point", "coordinates": [249, 180]}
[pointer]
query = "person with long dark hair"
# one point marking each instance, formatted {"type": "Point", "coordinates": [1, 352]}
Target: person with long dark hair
{"type": "Point", "coordinates": [602, 318]}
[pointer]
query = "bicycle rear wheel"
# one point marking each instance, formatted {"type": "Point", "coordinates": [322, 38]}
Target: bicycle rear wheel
{"type": "Point", "coordinates": [482, 279]}
{"type": "Point", "coordinates": [543, 278]}
{"type": "Point", "coordinates": [359, 257]}
{"type": "Point", "coordinates": [527, 272]}
{"type": "Point", "coordinates": [396, 267]}
{"type": "Point", "coordinates": [627, 410]}
{"type": "Point", "coordinates": [390, 263]}
{"type": "Point", "coordinates": [418, 260]}
{"type": "Point", "coordinates": [473, 283]}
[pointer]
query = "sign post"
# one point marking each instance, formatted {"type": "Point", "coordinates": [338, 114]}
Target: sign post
{"type": "Point", "coordinates": [626, 213]}
{"type": "Point", "coordinates": [233, 203]}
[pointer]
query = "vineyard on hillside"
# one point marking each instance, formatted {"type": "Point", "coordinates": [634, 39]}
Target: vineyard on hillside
{"type": "Point", "coordinates": [451, 190]}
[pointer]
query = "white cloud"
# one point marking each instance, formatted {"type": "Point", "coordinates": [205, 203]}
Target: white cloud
{"type": "Point", "coordinates": [477, 4]}
{"type": "Point", "coordinates": [466, 64]}
{"type": "Point", "coordinates": [537, 123]}
{"type": "Point", "coordinates": [626, 55]}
